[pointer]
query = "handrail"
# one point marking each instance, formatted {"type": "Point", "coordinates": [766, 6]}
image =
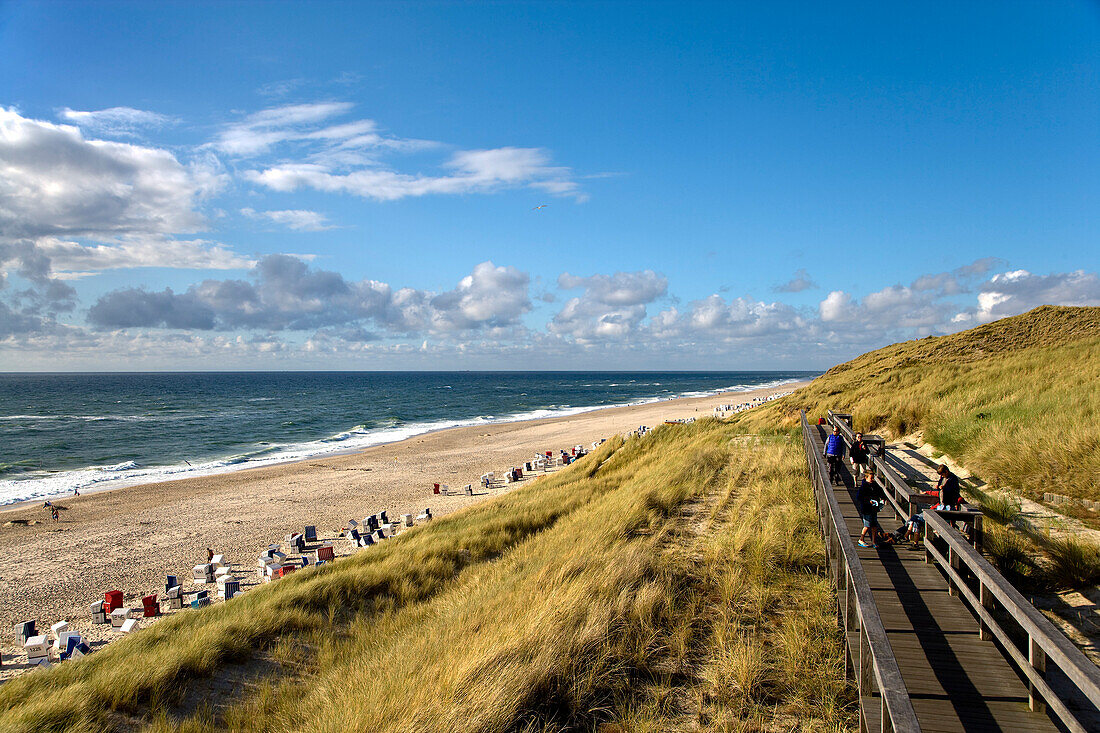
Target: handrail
{"type": "Point", "coordinates": [1045, 643]}
{"type": "Point", "coordinates": [984, 587]}
{"type": "Point", "coordinates": [897, 712]}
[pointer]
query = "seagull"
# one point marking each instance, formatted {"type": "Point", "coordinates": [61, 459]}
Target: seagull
{"type": "Point", "coordinates": [542, 206]}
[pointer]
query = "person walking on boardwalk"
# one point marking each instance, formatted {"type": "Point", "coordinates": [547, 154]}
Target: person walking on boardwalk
{"type": "Point", "coordinates": [870, 498]}
{"type": "Point", "coordinates": [858, 454]}
{"type": "Point", "coordinates": [834, 451]}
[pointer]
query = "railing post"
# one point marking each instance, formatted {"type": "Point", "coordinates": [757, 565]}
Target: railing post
{"type": "Point", "coordinates": [1038, 660]}
{"type": "Point", "coordinates": [979, 533]}
{"type": "Point", "coordinates": [865, 665]}
{"type": "Point", "coordinates": [986, 599]}
{"type": "Point", "coordinates": [953, 561]}
{"type": "Point", "coordinates": [929, 535]}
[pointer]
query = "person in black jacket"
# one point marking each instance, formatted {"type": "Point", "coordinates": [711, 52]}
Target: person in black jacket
{"type": "Point", "coordinates": [858, 454]}
{"type": "Point", "coordinates": [870, 498]}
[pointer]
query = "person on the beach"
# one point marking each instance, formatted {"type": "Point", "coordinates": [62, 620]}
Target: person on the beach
{"type": "Point", "coordinates": [858, 455]}
{"type": "Point", "coordinates": [869, 499]}
{"type": "Point", "coordinates": [55, 514]}
{"type": "Point", "coordinates": [834, 451]}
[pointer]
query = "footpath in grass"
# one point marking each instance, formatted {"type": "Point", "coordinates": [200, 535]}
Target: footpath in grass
{"type": "Point", "coordinates": [671, 582]}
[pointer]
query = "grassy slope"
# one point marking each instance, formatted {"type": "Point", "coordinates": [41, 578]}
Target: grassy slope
{"type": "Point", "coordinates": [657, 585]}
{"type": "Point", "coordinates": [1017, 400]}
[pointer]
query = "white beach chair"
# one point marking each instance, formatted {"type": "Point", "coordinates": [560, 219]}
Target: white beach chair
{"type": "Point", "coordinates": [128, 625]}
{"type": "Point", "coordinates": [407, 520]}
{"type": "Point", "coordinates": [469, 489]}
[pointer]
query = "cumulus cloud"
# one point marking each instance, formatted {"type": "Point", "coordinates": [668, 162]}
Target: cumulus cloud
{"type": "Point", "coordinates": [57, 183]}
{"type": "Point", "coordinates": [801, 281]}
{"type": "Point", "coordinates": [118, 121]}
{"type": "Point", "coordinates": [611, 307]}
{"type": "Point", "coordinates": [285, 294]}
{"type": "Point", "coordinates": [1010, 293]}
{"type": "Point", "coordinates": [300, 220]}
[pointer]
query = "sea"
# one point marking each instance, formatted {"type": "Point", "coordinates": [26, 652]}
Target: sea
{"type": "Point", "coordinates": [66, 432]}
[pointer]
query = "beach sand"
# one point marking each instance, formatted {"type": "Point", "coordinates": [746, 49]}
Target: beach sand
{"type": "Point", "coordinates": [129, 538]}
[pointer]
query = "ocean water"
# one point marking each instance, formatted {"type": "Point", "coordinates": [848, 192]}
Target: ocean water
{"type": "Point", "coordinates": [60, 432]}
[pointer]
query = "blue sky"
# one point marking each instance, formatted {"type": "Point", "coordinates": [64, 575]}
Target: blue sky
{"type": "Point", "coordinates": [352, 185]}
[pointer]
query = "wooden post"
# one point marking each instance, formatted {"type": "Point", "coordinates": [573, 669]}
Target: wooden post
{"type": "Point", "coordinates": [929, 535]}
{"type": "Point", "coordinates": [985, 597]}
{"type": "Point", "coordinates": [953, 561]}
{"type": "Point", "coordinates": [979, 529]}
{"type": "Point", "coordinates": [1038, 659]}
{"type": "Point", "coordinates": [865, 665]}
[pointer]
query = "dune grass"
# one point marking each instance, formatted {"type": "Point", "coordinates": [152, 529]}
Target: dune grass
{"type": "Point", "coordinates": [660, 583]}
{"type": "Point", "coordinates": [1017, 401]}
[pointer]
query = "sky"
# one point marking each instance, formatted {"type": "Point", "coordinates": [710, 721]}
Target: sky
{"type": "Point", "coordinates": [596, 185]}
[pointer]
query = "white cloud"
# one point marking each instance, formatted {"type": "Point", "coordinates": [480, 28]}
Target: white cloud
{"type": "Point", "coordinates": [67, 256]}
{"type": "Point", "coordinates": [57, 183]}
{"type": "Point", "coordinates": [476, 171]}
{"type": "Point", "coordinates": [612, 307]}
{"type": "Point", "coordinates": [301, 220]}
{"type": "Point", "coordinates": [286, 294]}
{"type": "Point", "coordinates": [1010, 293]}
{"type": "Point", "coordinates": [122, 121]}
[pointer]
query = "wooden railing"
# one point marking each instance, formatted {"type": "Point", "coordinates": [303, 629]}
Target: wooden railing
{"type": "Point", "coordinates": [1031, 643]}
{"type": "Point", "coordinates": [869, 659]}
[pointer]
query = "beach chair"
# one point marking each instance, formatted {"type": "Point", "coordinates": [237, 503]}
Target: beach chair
{"type": "Point", "coordinates": [407, 520]}
{"type": "Point", "coordinates": [127, 626]}
{"type": "Point", "coordinates": [66, 641]}
{"type": "Point", "coordinates": [119, 616]}
{"type": "Point", "coordinates": [24, 630]}
{"type": "Point", "coordinates": [37, 650]}
{"type": "Point", "coordinates": [99, 615]}
{"type": "Point", "coordinates": [221, 572]}
{"type": "Point", "coordinates": [469, 489]}
{"type": "Point", "coordinates": [80, 650]}
{"type": "Point", "coordinates": [72, 641]}
{"type": "Point", "coordinates": [171, 582]}
{"type": "Point", "coordinates": [112, 600]}
{"type": "Point", "coordinates": [435, 488]}
{"type": "Point", "coordinates": [368, 540]}
{"type": "Point", "coordinates": [149, 605]}
{"type": "Point", "coordinates": [174, 596]}
{"type": "Point", "coordinates": [203, 574]}
{"type": "Point", "coordinates": [310, 533]}
{"type": "Point", "coordinates": [326, 553]}
{"type": "Point", "coordinates": [352, 524]}
{"type": "Point", "coordinates": [218, 561]}
{"type": "Point", "coordinates": [58, 629]}
{"type": "Point", "coordinates": [444, 490]}
{"type": "Point", "coordinates": [383, 518]}
{"type": "Point", "coordinates": [230, 589]}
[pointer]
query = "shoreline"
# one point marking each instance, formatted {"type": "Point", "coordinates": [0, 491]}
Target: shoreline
{"type": "Point", "coordinates": [124, 483]}
{"type": "Point", "coordinates": [130, 537]}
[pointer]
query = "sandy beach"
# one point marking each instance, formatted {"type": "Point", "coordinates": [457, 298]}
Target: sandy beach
{"type": "Point", "coordinates": [130, 538]}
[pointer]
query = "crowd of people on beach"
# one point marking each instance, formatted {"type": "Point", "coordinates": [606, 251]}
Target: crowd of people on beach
{"type": "Point", "coordinates": [732, 409]}
{"type": "Point", "coordinates": [871, 498]}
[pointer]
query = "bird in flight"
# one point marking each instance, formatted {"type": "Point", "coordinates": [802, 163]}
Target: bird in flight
{"type": "Point", "coordinates": [541, 206]}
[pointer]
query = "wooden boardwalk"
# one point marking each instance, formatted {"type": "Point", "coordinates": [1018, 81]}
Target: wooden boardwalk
{"type": "Point", "coordinates": [955, 681]}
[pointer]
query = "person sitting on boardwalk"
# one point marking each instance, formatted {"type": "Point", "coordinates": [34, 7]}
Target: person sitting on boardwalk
{"type": "Point", "coordinates": [869, 499]}
{"type": "Point", "coordinates": [834, 451]}
{"type": "Point", "coordinates": [947, 489]}
{"type": "Point", "coordinates": [858, 455]}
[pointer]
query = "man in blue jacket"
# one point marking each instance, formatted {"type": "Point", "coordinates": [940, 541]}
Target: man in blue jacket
{"type": "Point", "coordinates": [834, 451]}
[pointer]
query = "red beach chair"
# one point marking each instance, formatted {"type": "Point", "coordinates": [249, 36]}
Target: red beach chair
{"type": "Point", "coordinates": [112, 599]}
{"type": "Point", "coordinates": [149, 603]}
